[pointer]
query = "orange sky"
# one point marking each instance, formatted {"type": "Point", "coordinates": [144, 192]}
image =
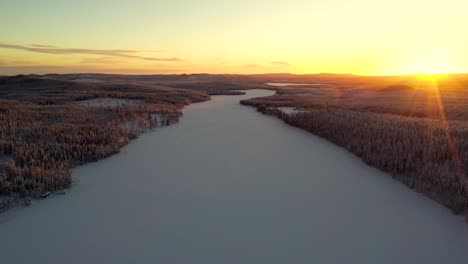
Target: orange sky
{"type": "Point", "coordinates": [369, 37]}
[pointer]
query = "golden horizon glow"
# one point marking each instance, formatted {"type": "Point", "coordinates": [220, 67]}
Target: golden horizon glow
{"type": "Point", "coordinates": [434, 63]}
{"type": "Point", "coordinates": [364, 37]}
{"type": "Point", "coordinates": [432, 77]}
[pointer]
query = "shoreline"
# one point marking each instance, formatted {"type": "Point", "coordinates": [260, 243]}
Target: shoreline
{"type": "Point", "coordinates": [288, 119]}
{"type": "Point", "coordinates": [11, 202]}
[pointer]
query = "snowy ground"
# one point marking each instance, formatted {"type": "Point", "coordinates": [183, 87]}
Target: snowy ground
{"type": "Point", "coordinates": [109, 102]}
{"type": "Point", "coordinates": [291, 110]}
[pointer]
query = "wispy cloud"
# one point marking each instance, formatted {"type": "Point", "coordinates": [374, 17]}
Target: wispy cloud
{"type": "Point", "coordinates": [14, 70]}
{"type": "Point", "coordinates": [131, 54]}
{"type": "Point", "coordinates": [17, 62]}
{"type": "Point", "coordinates": [54, 50]}
{"type": "Point", "coordinates": [107, 60]}
{"type": "Point", "coordinates": [283, 63]}
{"type": "Point", "coordinates": [41, 46]}
{"type": "Point", "coordinates": [162, 59]}
{"type": "Point", "coordinates": [100, 60]}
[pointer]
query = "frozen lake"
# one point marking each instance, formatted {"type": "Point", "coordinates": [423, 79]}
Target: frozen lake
{"type": "Point", "coordinates": [228, 185]}
{"type": "Point", "coordinates": [293, 84]}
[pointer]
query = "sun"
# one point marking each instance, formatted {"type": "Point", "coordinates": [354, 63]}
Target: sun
{"type": "Point", "coordinates": [430, 77]}
{"type": "Point", "coordinates": [430, 65]}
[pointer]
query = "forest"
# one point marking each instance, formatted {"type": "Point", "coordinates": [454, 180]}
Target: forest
{"type": "Point", "coordinates": [48, 126]}
{"type": "Point", "coordinates": [412, 127]}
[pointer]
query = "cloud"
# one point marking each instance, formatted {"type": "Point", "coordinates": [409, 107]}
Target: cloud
{"type": "Point", "coordinates": [251, 65]}
{"type": "Point", "coordinates": [131, 54]}
{"type": "Point", "coordinates": [49, 50]}
{"type": "Point", "coordinates": [41, 46]}
{"type": "Point", "coordinates": [100, 60]}
{"type": "Point", "coordinates": [104, 60]}
{"type": "Point", "coordinates": [16, 62]}
{"type": "Point", "coordinates": [162, 59]}
{"type": "Point", "coordinates": [283, 63]}
{"type": "Point", "coordinates": [15, 70]}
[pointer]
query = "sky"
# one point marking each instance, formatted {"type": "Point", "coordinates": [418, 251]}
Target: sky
{"type": "Point", "coordinates": [367, 37]}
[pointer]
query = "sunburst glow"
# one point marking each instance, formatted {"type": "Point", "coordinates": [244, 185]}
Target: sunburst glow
{"type": "Point", "coordinates": [430, 65]}
{"type": "Point", "coordinates": [431, 77]}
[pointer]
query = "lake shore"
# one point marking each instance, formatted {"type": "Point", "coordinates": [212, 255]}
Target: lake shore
{"type": "Point", "coordinates": [46, 129]}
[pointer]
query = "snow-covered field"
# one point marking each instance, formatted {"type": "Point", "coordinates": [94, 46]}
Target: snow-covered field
{"type": "Point", "coordinates": [229, 185]}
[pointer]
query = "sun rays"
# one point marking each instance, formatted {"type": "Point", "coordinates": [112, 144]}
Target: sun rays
{"type": "Point", "coordinates": [453, 148]}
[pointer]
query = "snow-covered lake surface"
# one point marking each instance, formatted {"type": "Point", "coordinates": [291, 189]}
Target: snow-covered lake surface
{"type": "Point", "coordinates": [228, 185]}
{"type": "Point", "coordinates": [293, 84]}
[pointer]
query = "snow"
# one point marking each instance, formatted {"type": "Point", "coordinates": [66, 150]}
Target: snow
{"type": "Point", "coordinates": [91, 80]}
{"type": "Point", "coordinates": [110, 102]}
{"type": "Point", "coordinates": [294, 84]}
{"type": "Point", "coordinates": [290, 110]}
{"type": "Point", "coordinates": [229, 185]}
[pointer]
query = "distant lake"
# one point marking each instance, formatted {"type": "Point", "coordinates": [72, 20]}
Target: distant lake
{"type": "Point", "coordinates": [228, 185]}
{"type": "Point", "coordinates": [293, 84]}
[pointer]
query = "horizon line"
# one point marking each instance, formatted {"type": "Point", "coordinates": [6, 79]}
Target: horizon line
{"type": "Point", "coordinates": [242, 74]}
